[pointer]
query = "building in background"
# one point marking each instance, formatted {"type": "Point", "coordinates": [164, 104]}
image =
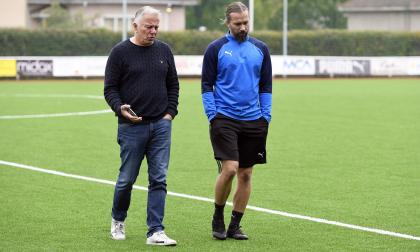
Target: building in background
{"type": "Point", "coordinates": [382, 15]}
{"type": "Point", "coordinates": [13, 13]}
{"type": "Point", "coordinates": [97, 13]}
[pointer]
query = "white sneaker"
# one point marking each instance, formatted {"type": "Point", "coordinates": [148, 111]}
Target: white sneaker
{"type": "Point", "coordinates": [117, 230]}
{"type": "Point", "coordinates": [160, 238]}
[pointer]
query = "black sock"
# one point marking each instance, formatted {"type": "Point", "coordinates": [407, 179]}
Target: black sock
{"type": "Point", "coordinates": [235, 219]}
{"type": "Point", "coordinates": [218, 211]}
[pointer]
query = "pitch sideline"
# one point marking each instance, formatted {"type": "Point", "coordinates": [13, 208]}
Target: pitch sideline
{"type": "Point", "coordinates": [187, 196]}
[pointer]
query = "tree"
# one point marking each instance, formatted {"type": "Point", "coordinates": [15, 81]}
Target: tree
{"type": "Point", "coordinates": [305, 14]}
{"type": "Point", "coordinates": [59, 18]}
{"type": "Point", "coordinates": [210, 13]}
{"type": "Point", "coordinates": [268, 14]}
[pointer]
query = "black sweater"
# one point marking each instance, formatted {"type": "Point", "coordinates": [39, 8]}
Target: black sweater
{"type": "Point", "coordinates": [144, 77]}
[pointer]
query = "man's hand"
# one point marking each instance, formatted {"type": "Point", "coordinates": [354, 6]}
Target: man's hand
{"type": "Point", "coordinates": [168, 117]}
{"type": "Point", "coordinates": [125, 112]}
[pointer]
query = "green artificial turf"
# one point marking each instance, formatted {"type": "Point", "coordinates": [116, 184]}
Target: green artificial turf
{"type": "Point", "coordinates": [344, 150]}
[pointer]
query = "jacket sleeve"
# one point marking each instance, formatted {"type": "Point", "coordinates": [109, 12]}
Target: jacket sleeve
{"type": "Point", "coordinates": [208, 80]}
{"type": "Point", "coordinates": [265, 91]}
{"type": "Point", "coordinates": [112, 81]}
{"type": "Point", "coordinates": [172, 86]}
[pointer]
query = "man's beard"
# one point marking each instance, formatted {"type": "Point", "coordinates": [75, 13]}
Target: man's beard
{"type": "Point", "coordinates": [241, 36]}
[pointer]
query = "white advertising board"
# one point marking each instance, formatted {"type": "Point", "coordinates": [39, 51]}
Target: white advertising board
{"type": "Point", "coordinates": [93, 66]}
{"type": "Point", "coordinates": [348, 66]}
{"type": "Point", "coordinates": [395, 66]}
{"type": "Point", "coordinates": [293, 65]}
{"type": "Point", "coordinates": [188, 65]}
{"type": "Point", "coordinates": [414, 66]}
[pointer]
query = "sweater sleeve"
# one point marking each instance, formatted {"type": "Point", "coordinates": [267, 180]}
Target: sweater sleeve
{"type": "Point", "coordinates": [172, 85]}
{"type": "Point", "coordinates": [208, 80]}
{"type": "Point", "coordinates": [112, 81]}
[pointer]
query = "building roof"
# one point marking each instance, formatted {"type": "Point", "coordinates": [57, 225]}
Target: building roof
{"type": "Point", "coordinates": [379, 5]}
{"type": "Point", "coordinates": [119, 2]}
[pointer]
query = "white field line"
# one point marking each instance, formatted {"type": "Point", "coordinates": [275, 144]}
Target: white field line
{"type": "Point", "coordinates": [6, 117]}
{"type": "Point", "coordinates": [187, 196]}
{"type": "Point", "coordinates": [54, 96]}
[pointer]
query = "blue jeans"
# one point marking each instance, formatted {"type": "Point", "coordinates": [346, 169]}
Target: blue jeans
{"type": "Point", "coordinates": [152, 140]}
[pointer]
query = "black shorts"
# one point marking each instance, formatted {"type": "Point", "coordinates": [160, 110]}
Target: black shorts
{"type": "Point", "coordinates": [236, 140]}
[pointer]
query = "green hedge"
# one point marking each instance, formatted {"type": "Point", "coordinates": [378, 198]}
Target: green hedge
{"type": "Point", "coordinates": [16, 42]}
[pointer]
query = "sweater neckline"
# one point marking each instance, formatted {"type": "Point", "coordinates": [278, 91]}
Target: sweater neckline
{"type": "Point", "coordinates": [139, 46]}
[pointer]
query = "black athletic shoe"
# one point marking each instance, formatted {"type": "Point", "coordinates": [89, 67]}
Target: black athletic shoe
{"type": "Point", "coordinates": [236, 233]}
{"type": "Point", "coordinates": [219, 229]}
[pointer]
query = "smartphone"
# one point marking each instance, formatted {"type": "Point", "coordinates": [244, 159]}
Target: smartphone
{"type": "Point", "coordinates": [132, 112]}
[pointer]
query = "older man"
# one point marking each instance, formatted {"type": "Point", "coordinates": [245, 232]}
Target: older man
{"type": "Point", "coordinates": [141, 87]}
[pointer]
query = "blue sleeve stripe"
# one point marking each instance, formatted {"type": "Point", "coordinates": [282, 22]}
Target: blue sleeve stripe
{"type": "Point", "coordinates": [265, 104]}
{"type": "Point", "coordinates": [209, 105]}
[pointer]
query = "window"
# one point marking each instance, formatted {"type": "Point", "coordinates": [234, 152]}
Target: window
{"type": "Point", "coordinates": [114, 23]}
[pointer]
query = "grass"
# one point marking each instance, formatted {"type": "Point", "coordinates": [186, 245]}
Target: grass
{"type": "Point", "coordinates": [343, 150]}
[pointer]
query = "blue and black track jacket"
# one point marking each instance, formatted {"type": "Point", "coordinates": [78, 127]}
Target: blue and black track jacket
{"type": "Point", "coordinates": [236, 79]}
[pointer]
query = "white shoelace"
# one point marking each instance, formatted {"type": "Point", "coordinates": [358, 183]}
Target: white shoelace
{"type": "Point", "coordinates": [162, 235]}
{"type": "Point", "coordinates": [119, 228]}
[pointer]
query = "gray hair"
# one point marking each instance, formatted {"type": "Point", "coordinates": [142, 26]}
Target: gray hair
{"type": "Point", "coordinates": [235, 7]}
{"type": "Point", "coordinates": [145, 10]}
